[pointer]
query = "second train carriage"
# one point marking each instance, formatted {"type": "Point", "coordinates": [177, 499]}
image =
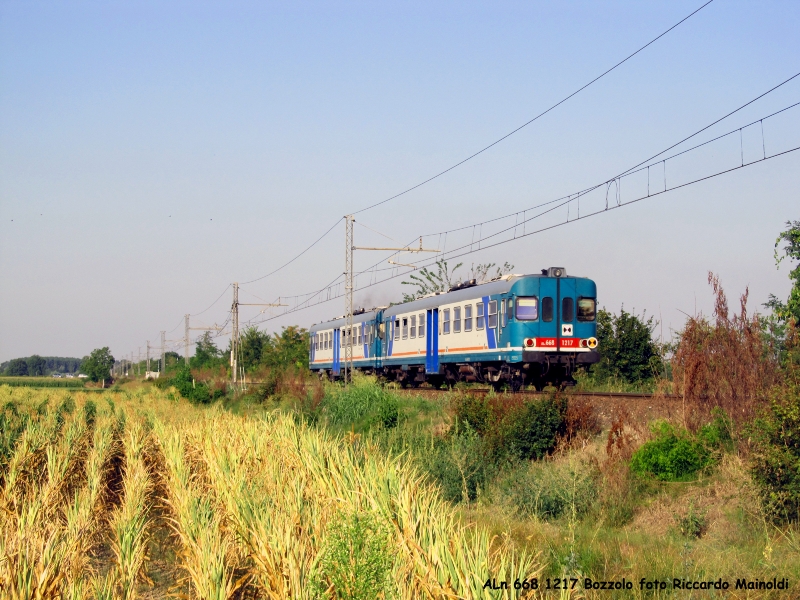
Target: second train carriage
{"type": "Point", "coordinates": [516, 330]}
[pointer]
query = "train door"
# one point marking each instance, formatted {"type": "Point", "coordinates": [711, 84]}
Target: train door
{"type": "Point", "coordinates": [432, 341]}
{"type": "Point", "coordinates": [567, 295]}
{"type": "Point", "coordinates": [336, 347]}
{"type": "Point", "coordinates": [548, 301]}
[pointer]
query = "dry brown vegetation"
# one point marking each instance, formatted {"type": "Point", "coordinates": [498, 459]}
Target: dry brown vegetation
{"type": "Point", "coordinates": [723, 363]}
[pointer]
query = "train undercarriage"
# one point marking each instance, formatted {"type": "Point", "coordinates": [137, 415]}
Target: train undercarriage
{"type": "Point", "coordinates": [538, 369]}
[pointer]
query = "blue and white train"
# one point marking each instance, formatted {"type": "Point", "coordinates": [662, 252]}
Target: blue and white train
{"type": "Point", "coordinates": [512, 331]}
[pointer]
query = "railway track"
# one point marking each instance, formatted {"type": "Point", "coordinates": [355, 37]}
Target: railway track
{"type": "Point", "coordinates": [573, 393]}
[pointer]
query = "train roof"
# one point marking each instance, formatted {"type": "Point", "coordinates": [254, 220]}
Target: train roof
{"type": "Point", "coordinates": [339, 322]}
{"type": "Point", "coordinates": [500, 285]}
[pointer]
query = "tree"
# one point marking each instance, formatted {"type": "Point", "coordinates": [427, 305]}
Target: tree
{"type": "Point", "coordinates": [287, 349]}
{"type": "Point", "coordinates": [36, 366]}
{"type": "Point", "coordinates": [206, 353]}
{"type": "Point", "coordinates": [17, 367]}
{"type": "Point", "coordinates": [252, 344]}
{"type": "Point", "coordinates": [441, 280]}
{"type": "Point", "coordinates": [783, 311]}
{"type": "Point", "coordinates": [97, 366]}
{"type": "Point", "coordinates": [626, 346]}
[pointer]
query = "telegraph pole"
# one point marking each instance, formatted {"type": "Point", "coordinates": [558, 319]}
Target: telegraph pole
{"type": "Point", "coordinates": [235, 333]}
{"type": "Point", "coordinates": [163, 365]}
{"type": "Point", "coordinates": [235, 340]}
{"type": "Point", "coordinates": [186, 341]}
{"type": "Point", "coordinates": [349, 247]}
{"type": "Point", "coordinates": [147, 368]}
{"type": "Point", "coordinates": [348, 297]}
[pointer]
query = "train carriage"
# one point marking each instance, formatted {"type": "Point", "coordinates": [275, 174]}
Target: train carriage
{"type": "Point", "coordinates": [515, 330]}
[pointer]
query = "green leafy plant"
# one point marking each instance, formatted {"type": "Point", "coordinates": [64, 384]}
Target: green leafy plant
{"type": "Point", "coordinates": [672, 455]}
{"type": "Point", "coordinates": [356, 563]}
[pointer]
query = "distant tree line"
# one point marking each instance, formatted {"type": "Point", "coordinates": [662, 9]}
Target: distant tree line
{"type": "Point", "coordinates": [40, 366]}
{"type": "Point", "coordinates": [258, 348]}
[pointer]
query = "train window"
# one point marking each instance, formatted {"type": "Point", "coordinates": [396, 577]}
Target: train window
{"type": "Point", "coordinates": [446, 321]}
{"type": "Point", "coordinates": [587, 309]}
{"type": "Point", "coordinates": [457, 319]}
{"type": "Point", "coordinates": [397, 329]}
{"type": "Point", "coordinates": [468, 317]}
{"type": "Point", "coordinates": [328, 340]}
{"type": "Point", "coordinates": [479, 317]}
{"type": "Point", "coordinates": [547, 309]}
{"type": "Point", "coordinates": [510, 311]}
{"type": "Point", "coordinates": [527, 308]}
{"type": "Point", "coordinates": [492, 320]}
{"type": "Point", "coordinates": [422, 325]}
{"type": "Point", "coordinates": [324, 341]}
{"type": "Point", "coordinates": [503, 320]}
{"type": "Point", "coordinates": [360, 334]}
{"type": "Point", "coordinates": [567, 309]}
{"type": "Point", "coordinates": [405, 328]}
{"type": "Point", "coordinates": [413, 326]}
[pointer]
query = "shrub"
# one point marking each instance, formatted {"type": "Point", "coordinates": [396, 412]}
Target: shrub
{"type": "Point", "coordinates": [550, 490]}
{"type": "Point", "coordinates": [725, 363]}
{"type": "Point", "coordinates": [671, 456]}
{"type": "Point", "coordinates": [364, 401]}
{"type": "Point", "coordinates": [513, 427]}
{"type": "Point", "coordinates": [776, 444]}
{"type": "Point", "coordinates": [183, 381]}
{"type": "Point", "coordinates": [535, 430]}
{"type": "Point", "coordinates": [458, 462]}
{"type": "Point", "coordinates": [356, 562]}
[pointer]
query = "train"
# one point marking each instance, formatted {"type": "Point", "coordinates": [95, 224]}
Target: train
{"type": "Point", "coordinates": [509, 332]}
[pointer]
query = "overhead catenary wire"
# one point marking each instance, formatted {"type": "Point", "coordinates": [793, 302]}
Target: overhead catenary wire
{"type": "Point", "coordinates": [466, 251]}
{"type": "Point", "coordinates": [540, 115]}
{"type": "Point", "coordinates": [564, 200]}
{"type": "Point", "coordinates": [287, 263]}
{"type": "Point", "coordinates": [482, 150]}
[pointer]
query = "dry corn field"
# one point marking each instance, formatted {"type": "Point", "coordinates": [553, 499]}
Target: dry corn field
{"type": "Point", "coordinates": [138, 495]}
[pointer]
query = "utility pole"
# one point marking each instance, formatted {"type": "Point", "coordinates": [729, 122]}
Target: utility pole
{"type": "Point", "coordinates": [348, 297]}
{"type": "Point", "coordinates": [235, 340]}
{"type": "Point", "coordinates": [147, 368]}
{"type": "Point", "coordinates": [186, 340]}
{"type": "Point", "coordinates": [349, 247]}
{"type": "Point", "coordinates": [139, 362]}
{"type": "Point", "coordinates": [235, 333]}
{"type": "Point", "coordinates": [163, 365]}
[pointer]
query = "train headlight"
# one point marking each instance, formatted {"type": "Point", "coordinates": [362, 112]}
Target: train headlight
{"type": "Point", "coordinates": [530, 342]}
{"type": "Point", "coordinates": [591, 342]}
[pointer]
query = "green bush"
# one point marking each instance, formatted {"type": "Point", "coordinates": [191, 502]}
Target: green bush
{"type": "Point", "coordinates": [672, 455]}
{"type": "Point", "coordinates": [363, 402]}
{"type": "Point", "coordinates": [534, 432]}
{"type": "Point", "coordinates": [517, 429]}
{"type": "Point", "coordinates": [776, 455]}
{"type": "Point", "coordinates": [197, 393]}
{"type": "Point", "coordinates": [549, 490]}
{"type": "Point", "coordinates": [356, 562]}
{"type": "Point", "coordinates": [458, 462]}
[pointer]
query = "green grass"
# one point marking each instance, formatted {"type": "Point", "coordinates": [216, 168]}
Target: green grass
{"type": "Point", "coordinates": [42, 382]}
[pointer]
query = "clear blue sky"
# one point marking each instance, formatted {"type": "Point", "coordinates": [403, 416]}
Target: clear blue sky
{"type": "Point", "coordinates": [151, 153]}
